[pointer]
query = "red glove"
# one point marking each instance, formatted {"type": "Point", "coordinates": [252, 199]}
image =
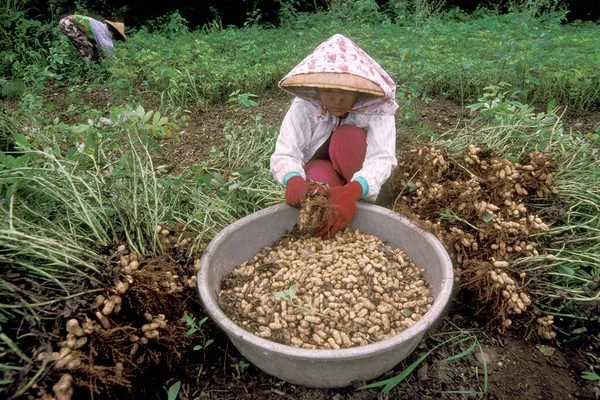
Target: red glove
{"type": "Point", "coordinates": [343, 199]}
{"type": "Point", "coordinates": [296, 191]}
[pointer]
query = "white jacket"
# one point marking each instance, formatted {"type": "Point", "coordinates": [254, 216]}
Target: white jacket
{"type": "Point", "coordinates": [306, 127]}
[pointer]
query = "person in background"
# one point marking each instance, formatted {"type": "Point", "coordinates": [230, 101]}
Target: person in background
{"type": "Point", "coordinates": [340, 130]}
{"type": "Point", "coordinates": [90, 36]}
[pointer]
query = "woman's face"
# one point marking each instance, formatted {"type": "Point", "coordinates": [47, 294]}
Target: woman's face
{"type": "Point", "coordinates": [337, 101]}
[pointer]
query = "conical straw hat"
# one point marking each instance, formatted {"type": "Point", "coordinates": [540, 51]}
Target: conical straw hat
{"type": "Point", "coordinates": [333, 80]}
{"type": "Point", "coordinates": [119, 26]}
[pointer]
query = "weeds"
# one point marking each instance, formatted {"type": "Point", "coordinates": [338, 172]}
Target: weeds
{"type": "Point", "coordinates": [454, 341]}
{"type": "Point", "coordinates": [288, 296]}
{"type": "Point", "coordinates": [173, 391]}
{"type": "Point", "coordinates": [528, 49]}
{"type": "Point", "coordinates": [240, 368]}
{"type": "Point", "coordinates": [196, 327]}
{"type": "Point", "coordinates": [591, 376]}
{"type": "Point", "coordinates": [239, 100]}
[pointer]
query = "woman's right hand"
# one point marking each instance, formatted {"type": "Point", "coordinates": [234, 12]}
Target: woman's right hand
{"type": "Point", "coordinates": [296, 191]}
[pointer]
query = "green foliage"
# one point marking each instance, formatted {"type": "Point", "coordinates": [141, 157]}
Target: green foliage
{"type": "Point", "coordinates": [215, 25]}
{"type": "Point", "coordinates": [414, 12]}
{"type": "Point", "coordinates": [196, 328]}
{"type": "Point", "coordinates": [539, 9]}
{"type": "Point", "coordinates": [239, 100]}
{"type": "Point", "coordinates": [238, 173]}
{"type": "Point", "coordinates": [169, 25]}
{"type": "Point", "coordinates": [408, 97]}
{"type": "Point", "coordinates": [591, 376]}
{"type": "Point", "coordinates": [289, 16]}
{"type": "Point", "coordinates": [12, 89]}
{"type": "Point", "coordinates": [287, 295]}
{"type": "Point", "coordinates": [173, 391]}
{"type": "Point", "coordinates": [9, 125]}
{"type": "Point", "coordinates": [253, 18]}
{"type": "Point", "coordinates": [240, 368]}
{"type": "Point", "coordinates": [499, 107]}
{"type": "Point", "coordinates": [528, 48]}
{"type": "Point", "coordinates": [455, 14]}
{"type": "Point", "coordinates": [150, 122]}
{"type": "Point", "coordinates": [22, 41]}
{"type": "Point", "coordinates": [461, 343]}
{"type": "Point", "coordinates": [499, 104]}
{"type": "Point", "coordinates": [356, 11]}
{"type": "Point", "coordinates": [541, 57]}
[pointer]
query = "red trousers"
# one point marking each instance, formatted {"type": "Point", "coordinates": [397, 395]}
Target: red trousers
{"type": "Point", "coordinates": [339, 158]}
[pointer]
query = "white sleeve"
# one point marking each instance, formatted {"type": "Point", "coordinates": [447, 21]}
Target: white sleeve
{"type": "Point", "coordinates": [293, 143]}
{"type": "Point", "coordinates": [380, 159]}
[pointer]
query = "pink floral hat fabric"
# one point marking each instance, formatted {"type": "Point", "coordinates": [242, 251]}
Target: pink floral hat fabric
{"type": "Point", "coordinates": [338, 54]}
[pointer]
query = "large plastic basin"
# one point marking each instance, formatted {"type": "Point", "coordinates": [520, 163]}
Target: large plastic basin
{"type": "Point", "coordinates": [323, 368]}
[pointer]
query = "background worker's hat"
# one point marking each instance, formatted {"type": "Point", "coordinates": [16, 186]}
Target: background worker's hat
{"type": "Point", "coordinates": [333, 80]}
{"type": "Point", "coordinates": [119, 27]}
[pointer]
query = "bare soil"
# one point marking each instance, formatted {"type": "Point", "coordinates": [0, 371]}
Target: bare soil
{"type": "Point", "coordinates": [518, 369]}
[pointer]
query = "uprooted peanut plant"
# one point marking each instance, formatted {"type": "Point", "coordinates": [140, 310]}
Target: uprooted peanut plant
{"type": "Point", "coordinates": [478, 205]}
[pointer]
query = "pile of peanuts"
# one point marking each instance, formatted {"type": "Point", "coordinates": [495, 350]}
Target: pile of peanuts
{"type": "Point", "coordinates": [191, 281]}
{"type": "Point", "coordinates": [154, 323]}
{"type": "Point", "coordinates": [516, 301]}
{"type": "Point", "coordinates": [544, 327]}
{"type": "Point", "coordinates": [69, 355]}
{"type": "Point", "coordinates": [129, 264]}
{"type": "Point", "coordinates": [63, 390]}
{"type": "Point", "coordinates": [105, 307]}
{"type": "Point", "coordinates": [347, 291]}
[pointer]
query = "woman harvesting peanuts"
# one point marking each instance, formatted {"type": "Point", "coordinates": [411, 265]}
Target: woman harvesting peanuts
{"type": "Point", "coordinates": [339, 131]}
{"type": "Point", "coordinates": [92, 37]}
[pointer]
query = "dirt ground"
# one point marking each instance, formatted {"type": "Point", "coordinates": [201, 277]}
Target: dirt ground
{"type": "Point", "coordinates": [517, 369]}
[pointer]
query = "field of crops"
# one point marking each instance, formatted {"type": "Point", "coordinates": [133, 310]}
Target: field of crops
{"type": "Point", "coordinates": [115, 176]}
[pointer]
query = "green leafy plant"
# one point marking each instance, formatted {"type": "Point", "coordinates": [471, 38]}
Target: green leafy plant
{"type": "Point", "coordinates": [591, 376]}
{"type": "Point", "coordinates": [12, 89]}
{"type": "Point", "coordinates": [173, 391]}
{"type": "Point", "coordinates": [408, 97]}
{"type": "Point", "coordinates": [497, 102]}
{"type": "Point", "coordinates": [239, 100]}
{"type": "Point", "coordinates": [288, 296]}
{"type": "Point", "coordinates": [465, 341]}
{"type": "Point", "coordinates": [451, 215]}
{"type": "Point", "coordinates": [417, 12]}
{"type": "Point", "coordinates": [240, 368]}
{"type": "Point", "coordinates": [147, 121]}
{"type": "Point", "coordinates": [170, 25]}
{"type": "Point", "coordinates": [196, 327]}
{"type": "Point", "coordinates": [216, 24]}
